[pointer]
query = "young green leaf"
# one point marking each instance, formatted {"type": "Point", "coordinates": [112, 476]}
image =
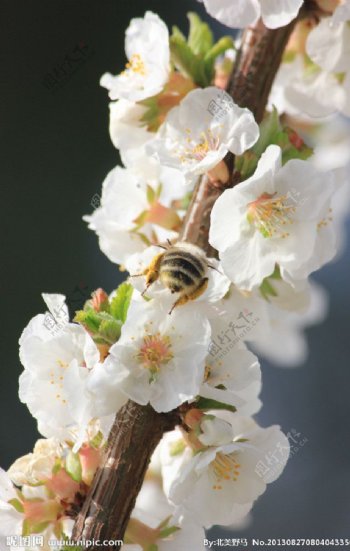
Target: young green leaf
{"type": "Point", "coordinates": [121, 301]}
{"type": "Point", "coordinates": [200, 38]}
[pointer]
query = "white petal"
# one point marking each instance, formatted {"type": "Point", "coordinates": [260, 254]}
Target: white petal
{"type": "Point", "coordinates": [278, 13]}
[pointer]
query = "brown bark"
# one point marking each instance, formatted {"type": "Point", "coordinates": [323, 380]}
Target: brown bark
{"type": "Point", "coordinates": [135, 434]}
{"type": "Point", "coordinates": [255, 69]}
{"type": "Point", "coordinates": [138, 429]}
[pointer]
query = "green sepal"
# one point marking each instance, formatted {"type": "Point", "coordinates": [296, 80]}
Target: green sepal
{"type": "Point", "coordinates": [208, 403]}
{"type": "Point", "coordinates": [267, 290]}
{"type": "Point", "coordinates": [177, 448]}
{"type": "Point", "coordinates": [73, 466]}
{"type": "Point", "coordinates": [17, 505]}
{"type": "Point", "coordinates": [29, 527]}
{"type": "Point", "coordinates": [97, 440]}
{"type": "Point", "coordinates": [57, 466]}
{"type": "Point", "coordinates": [121, 301]}
{"type": "Point", "coordinates": [200, 37]}
{"type": "Point", "coordinates": [166, 532]}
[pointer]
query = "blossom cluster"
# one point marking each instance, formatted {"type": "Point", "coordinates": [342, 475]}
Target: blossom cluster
{"type": "Point", "coordinates": [184, 330]}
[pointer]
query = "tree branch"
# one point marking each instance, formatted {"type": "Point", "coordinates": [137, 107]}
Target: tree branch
{"type": "Point", "coordinates": [138, 429]}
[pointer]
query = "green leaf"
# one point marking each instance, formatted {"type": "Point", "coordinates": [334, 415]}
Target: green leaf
{"type": "Point", "coordinates": [152, 547]}
{"type": "Point", "coordinates": [121, 301]}
{"type": "Point", "coordinates": [270, 127]}
{"type": "Point", "coordinates": [88, 319]}
{"type": "Point", "coordinates": [190, 65]}
{"type": "Point", "coordinates": [200, 38]}
{"type": "Point", "coordinates": [109, 330]}
{"type": "Point", "coordinates": [73, 466]}
{"type": "Point", "coordinates": [272, 132]}
{"type": "Point", "coordinates": [208, 403]}
{"type": "Point", "coordinates": [219, 48]}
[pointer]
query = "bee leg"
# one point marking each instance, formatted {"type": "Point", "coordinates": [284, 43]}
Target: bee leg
{"type": "Point", "coordinates": [197, 292]}
{"type": "Point", "coordinates": [152, 272]}
{"type": "Point", "coordinates": [213, 268]}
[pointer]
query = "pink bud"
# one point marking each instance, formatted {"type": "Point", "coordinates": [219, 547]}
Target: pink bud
{"type": "Point", "coordinates": [41, 511]}
{"type": "Point", "coordinates": [62, 485]}
{"type": "Point", "coordinates": [99, 299]}
{"type": "Point", "coordinates": [90, 459]}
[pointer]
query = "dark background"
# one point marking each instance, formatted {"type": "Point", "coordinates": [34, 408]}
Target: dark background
{"type": "Point", "coordinates": [55, 153]}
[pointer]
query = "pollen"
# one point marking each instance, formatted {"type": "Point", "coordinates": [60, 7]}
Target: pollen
{"type": "Point", "coordinates": [224, 468]}
{"type": "Point", "coordinates": [197, 149]}
{"type": "Point", "coordinates": [271, 214]}
{"type": "Point", "coordinates": [154, 352]}
{"type": "Point", "coordinates": [326, 220]}
{"type": "Point", "coordinates": [135, 65]}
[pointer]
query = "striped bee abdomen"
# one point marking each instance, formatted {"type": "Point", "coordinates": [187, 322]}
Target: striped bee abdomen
{"type": "Point", "coordinates": [186, 261]}
{"type": "Point", "coordinates": [182, 269]}
{"type": "Point", "coordinates": [177, 279]}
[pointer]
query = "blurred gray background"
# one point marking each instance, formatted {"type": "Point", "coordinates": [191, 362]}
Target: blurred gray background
{"type": "Point", "coordinates": [55, 153]}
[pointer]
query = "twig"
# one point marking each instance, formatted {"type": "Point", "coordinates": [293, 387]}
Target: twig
{"type": "Point", "coordinates": [138, 429]}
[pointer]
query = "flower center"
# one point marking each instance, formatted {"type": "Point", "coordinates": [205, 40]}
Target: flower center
{"type": "Point", "coordinates": [135, 65]}
{"type": "Point", "coordinates": [198, 149]}
{"type": "Point", "coordinates": [224, 468]}
{"type": "Point", "coordinates": [270, 214]}
{"type": "Point", "coordinates": [154, 352]}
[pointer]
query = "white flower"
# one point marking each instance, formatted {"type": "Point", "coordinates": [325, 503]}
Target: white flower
{"type": "Point", "coordinates": [242, 13]}
{"type": "Point", "coordinates": [218, 283]}
{"type": "Point", "coordinates": [219, 484]}
{"type": "Point", "coordinates": [332, 152]}
{"type": "Point", "coordinates": [152, 508]}
{"type": "Point", "coordinates": [286, 343]}
{"type": "Point", "coordinates": [37, 466]}
{"type": "Point", "coordinates": [125, 126]}
{"type": "Point", "coordinates": [234, 380]}
{"type": "Point", "coordinates": [130, 215]}
{"type": "Point", "coordinates": [174, 184]}
{"type": "Point", "coordinates": [246, 317]}
{"type": "Point", "coordinates": [271, 218]}
{"type": "Point", "coordinates": [11, 521]}
{"type": "Point", "coordinates": [57, 367]}
{"type": "Point", "coordinates": [233, 373]}
{"type": "Point", "coordinates": [215, 431]}
{"type": "Point", "coordinates": [197, 134]}
{"type": "Point", "coordinates": [161, 356]}
{"type": "Point", "coordinates": [147, 49]}
{"type": "Point", "coordinates": [328, 44]}
{"type": "Point", "coordinates": [300, 91]}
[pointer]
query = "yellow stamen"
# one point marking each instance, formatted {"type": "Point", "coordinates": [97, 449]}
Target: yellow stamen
{"type": "Point", "coordinates": [135, 65]}
{"type": "Point", "coordinates": [224, 467]}
{"type": "Point", "coordinates": [154, 352]}
{"type": "Point", "coordinates": [270, 214]}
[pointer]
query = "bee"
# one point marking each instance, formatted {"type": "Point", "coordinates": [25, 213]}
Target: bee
{"type": "Point", "coordinates": [182, 268]}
